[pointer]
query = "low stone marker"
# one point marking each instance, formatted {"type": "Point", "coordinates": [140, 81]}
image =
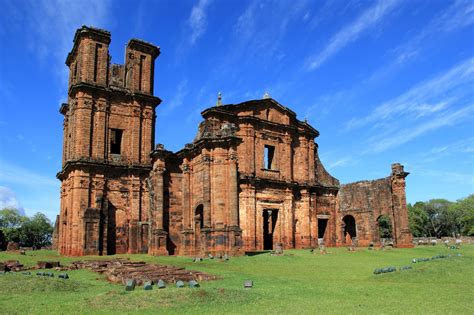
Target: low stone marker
{"type": "Point", "coordinates": [148, 286]}
{"type": "Point", "coordinates": [161, 284]}
{"type": "Point", "coordinates": [384, 270]}
{"type": "Point", "coordinates": [193, 284]}
{"type": "Point", "coordinates": [63, 276]}
{"type": "Point", "coordinates": [130, 285]}
{"type": "Point", "coordinates": [248, 284]}
{"type": "Point", "coordinates": [179, 284]}
{"type": "Point", "coordinates": [278, 249]}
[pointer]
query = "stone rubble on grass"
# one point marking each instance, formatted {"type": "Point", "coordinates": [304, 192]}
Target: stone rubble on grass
{"type": "Point", "coordinates": [119, 270]}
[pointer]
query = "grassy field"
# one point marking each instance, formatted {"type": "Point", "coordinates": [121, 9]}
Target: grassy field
{"type": "Point", "coordinates": [297, 283]}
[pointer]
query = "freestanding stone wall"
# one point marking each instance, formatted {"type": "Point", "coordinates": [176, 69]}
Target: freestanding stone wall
{"type": "Point", "coordinates": [367, 201]}
{"type": "Point", "coordinates": [251, 179]}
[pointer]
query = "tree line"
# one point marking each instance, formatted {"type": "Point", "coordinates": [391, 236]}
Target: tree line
{"type": "Point", "coordinates": [35, 231]}
{"type": "Point", "coordinates": [440, 217]}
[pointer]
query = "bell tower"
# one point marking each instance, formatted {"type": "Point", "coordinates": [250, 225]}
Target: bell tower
{"type": "Point", "coordinates": [108, 137]}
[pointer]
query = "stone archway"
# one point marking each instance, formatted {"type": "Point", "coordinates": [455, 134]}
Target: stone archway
{"type": "Point", "coordinates": [350, 227]}
{"type": "Point", "coordinates": [384, 225]}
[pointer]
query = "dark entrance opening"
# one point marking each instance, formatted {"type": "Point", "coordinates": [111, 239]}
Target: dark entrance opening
{"type": "Point", "coordinates": [269, 222]}
{"type": "Point", "coordinates": [350, 226]}
{"type": "Point", "coordinates": [199, 217]}
{"type": "Point", "coordinates": [385, 226]}
{"type": "Point", "coordinates": [322, 224]}
{"type": "Point", "coordinates": [199, 243]}
{"type": "Point", "coordinates": [111, 230]}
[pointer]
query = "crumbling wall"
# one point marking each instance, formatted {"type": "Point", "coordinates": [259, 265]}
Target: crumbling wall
{"type": "Point", "coordinates": [365, 201]}
{"type": "Point", "coordinates": [322, 176]}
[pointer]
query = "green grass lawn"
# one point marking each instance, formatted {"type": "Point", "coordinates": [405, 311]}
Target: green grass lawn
{"type": "Point", "coordinates": [298, 283]}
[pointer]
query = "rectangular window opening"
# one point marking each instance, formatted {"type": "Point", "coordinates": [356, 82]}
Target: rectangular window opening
{"type": "Point", "coordinates": [75, 70]}
{"type": "Point", "coordinates": [96, 60]}
{"type": "Point", "coordinates": [142, 58]}
{"type": "Point", "coordinates": [116, 141]}
{"type": "Point", "coordinates": [269, 154]}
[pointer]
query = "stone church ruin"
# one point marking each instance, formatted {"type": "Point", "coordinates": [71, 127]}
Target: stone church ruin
{"type": "Point", "coordinates": [250, 180]}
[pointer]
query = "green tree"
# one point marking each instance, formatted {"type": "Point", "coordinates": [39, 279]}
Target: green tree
{"type": "Point", "coordinates": [438, 217]}
{"type": "Point", "coordinates": [385, 226]}
{"type": "Point", "coordinates": [462, 213]}
{"type": "Point", "coordinates": [418, 219]}
{"type": "Point", "coordinates": [36, 232]}
{"type": "Point", "coordinates": [10, 222]}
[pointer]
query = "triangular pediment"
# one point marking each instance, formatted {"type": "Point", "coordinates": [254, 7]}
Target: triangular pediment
{"type": "Point", "coordinates": [265, 109]}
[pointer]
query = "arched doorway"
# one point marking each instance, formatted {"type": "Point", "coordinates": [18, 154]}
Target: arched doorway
{"type": "Point", "coordinates": [350, 227]}
{"type": "Point", "coordinates": [199, 240]}
{"type": "Point", "coordinates": [199, 217]}
{"type": "Point", "coordinates": [384, 225]}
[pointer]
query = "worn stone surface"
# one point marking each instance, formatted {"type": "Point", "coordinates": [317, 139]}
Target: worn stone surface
{"type": "Point", "coordinates": [121, 270]}
{"type": "Point", "coordinates": [47, 264]}
{"type": "Point", "coordinates": [11, 265]}
{"type": "Point", "coordinates": [13, 246]}
{"type": "Point", "coordinates": [251, 179]}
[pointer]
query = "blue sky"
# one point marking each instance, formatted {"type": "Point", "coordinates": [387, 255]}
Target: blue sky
{"type": "Point", "coordinates": [383, 81]}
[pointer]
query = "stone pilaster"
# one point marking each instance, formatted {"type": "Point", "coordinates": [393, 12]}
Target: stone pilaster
{"type": "Point", "coordinates": [402, 234]}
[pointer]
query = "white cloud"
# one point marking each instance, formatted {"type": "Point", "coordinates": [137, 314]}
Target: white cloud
{"type": "Point", "coordinates": [461, 146]}
{"type": "Point", "coordinates": [52, 24]}
{"type": "Point", "coordinates": [178, 99]}
{"type": "Point", "coordinates": [350, 33]}
{"type": "Point", "coordinates": [340, 163]}
{"type": "Point", "coordinates": [426, 98]}
{"type": "Point", "coordinates": [447, 176]}
{"type": "Point", "coordinates": [450, 19]}
{"type": "Point", "coordinates": [13, 174]}
{"type": "Point", "coordinates": [8, 199]}
{"type": "Point", "coordinates": [198, 20]}
{"type": "Point", "coordinates": [391, 139]}
{"type": "Point", "coordinates": [458, 15]}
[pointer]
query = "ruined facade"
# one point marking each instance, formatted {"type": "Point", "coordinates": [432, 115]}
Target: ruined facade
{"type": "Point", "coordinates": [250, 179]}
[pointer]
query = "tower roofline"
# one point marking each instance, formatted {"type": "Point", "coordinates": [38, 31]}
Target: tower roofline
{"type": "Point", "coordinates": [88, 31]}
{"type": "Point", "coordinates": [143, 46]}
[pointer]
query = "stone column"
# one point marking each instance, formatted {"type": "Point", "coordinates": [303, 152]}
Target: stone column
{"type": "Point", "coordinates": [401, 233]}
{"type": "Point", "coordinates": [159, 235]}
{"type": "Point", "coordinates": [233, 190]}
{"type": "Point", "coordinates": [305, 219]}
{"type": "Point", "coordinates": [206, 181]}
{"type": "Point", "coordinates": [188, 231]}
{"type": "Point", "coordinates": [289, 209]}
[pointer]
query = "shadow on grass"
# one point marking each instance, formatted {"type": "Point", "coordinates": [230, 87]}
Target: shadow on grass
{"type": "Point", "coordinates": [257, 252]}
